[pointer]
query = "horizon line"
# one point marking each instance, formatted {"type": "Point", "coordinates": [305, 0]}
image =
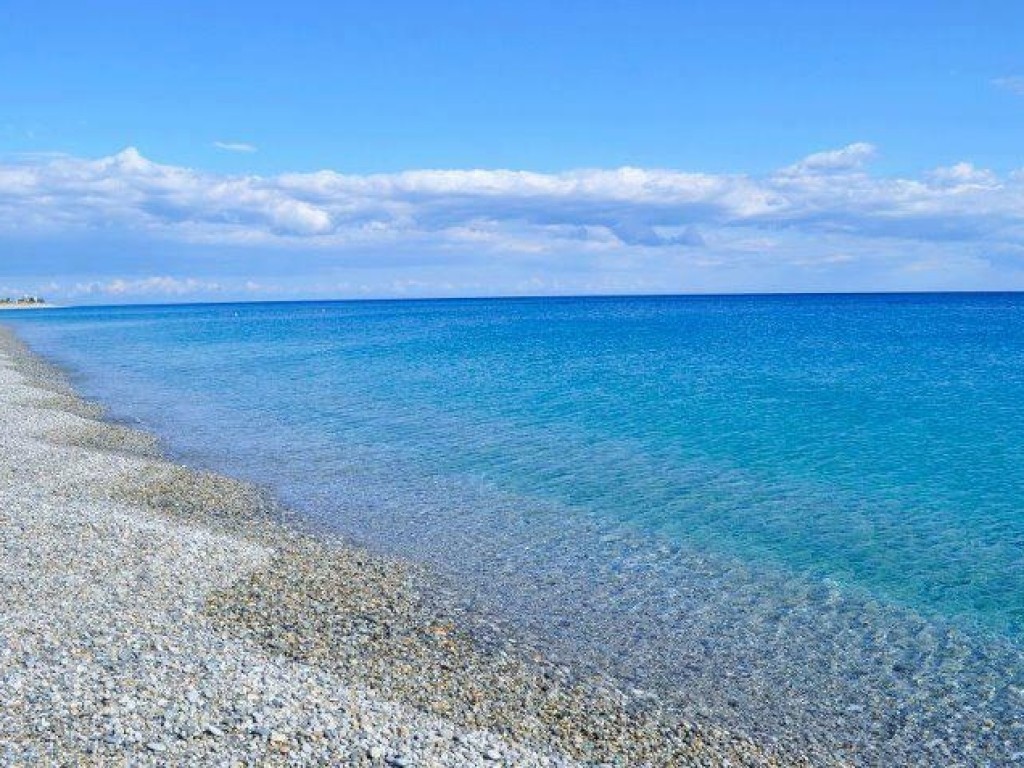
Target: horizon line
{"type": "Point", "coordinates": [537, 297]}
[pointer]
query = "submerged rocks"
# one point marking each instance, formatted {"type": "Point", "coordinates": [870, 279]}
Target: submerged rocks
{"type": "Point", "coordinates": [157, 615]}
{"type": "Point", "coordinates": [370, 620]}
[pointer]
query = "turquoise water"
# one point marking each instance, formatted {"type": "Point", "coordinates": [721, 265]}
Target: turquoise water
{"type": "Point", "coordinates": [835, 480]}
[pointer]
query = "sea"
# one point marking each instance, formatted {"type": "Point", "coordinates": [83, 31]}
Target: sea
{"type": "Point", "coordinates": [798, 516]}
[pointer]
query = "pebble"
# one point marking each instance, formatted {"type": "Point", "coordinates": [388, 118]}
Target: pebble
{"type": "Point", "coordinates": [158, 600]}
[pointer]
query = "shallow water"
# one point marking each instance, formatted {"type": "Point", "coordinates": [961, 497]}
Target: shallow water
{"type": "Point", "coordinates": [800, 516]}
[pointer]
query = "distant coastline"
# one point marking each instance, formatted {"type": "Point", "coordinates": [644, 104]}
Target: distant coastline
{"type": "Point", "coordinates": [26, 302]}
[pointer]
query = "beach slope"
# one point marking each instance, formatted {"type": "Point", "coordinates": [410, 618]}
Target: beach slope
{"type": "Point", "coordinates": [157, 615]}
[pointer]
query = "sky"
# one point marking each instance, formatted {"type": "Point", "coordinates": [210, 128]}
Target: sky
{"type": "Point", "coordinates": [195, 151]}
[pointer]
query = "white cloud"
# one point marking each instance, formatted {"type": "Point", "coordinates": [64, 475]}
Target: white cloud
{"type": "Point", "coordinates": [849, 158]}
{"type": "Point", "coordinates": [964, 175]}
{"type": "Point", "coordinates": [639, 205]}
{"type": "Point", "coordinates": [148, 286]}
{"type": "Point", "coordinates": [235, 146]}
{"type": "Point", "coordinates": [621, 219]}
{"type": "Point", "coordinates": [1013, 84]}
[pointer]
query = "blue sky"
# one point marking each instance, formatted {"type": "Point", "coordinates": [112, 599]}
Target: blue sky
{"type": "Point", "coordinates": [279, 150]}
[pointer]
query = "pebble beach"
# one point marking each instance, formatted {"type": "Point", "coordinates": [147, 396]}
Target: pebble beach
{"type": "Point", "coordinates": [153, 614]}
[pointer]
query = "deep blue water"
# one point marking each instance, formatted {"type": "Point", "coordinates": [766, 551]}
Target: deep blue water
{"type": "Point", "coordinates": [651, 459]}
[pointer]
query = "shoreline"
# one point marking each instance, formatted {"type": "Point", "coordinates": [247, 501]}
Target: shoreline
{"type": "Point", "coordinates": [423, 684]}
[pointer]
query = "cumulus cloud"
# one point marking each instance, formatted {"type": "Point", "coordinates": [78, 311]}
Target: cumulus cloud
{"type": "Point", "coordinates": [849, 158]}
{"type": "Point", "coordinates": [829, 202]}
{"type": "Point", "coordinates": [235, 146]}
{"type": "Point", "coordinates": [964, 175]}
